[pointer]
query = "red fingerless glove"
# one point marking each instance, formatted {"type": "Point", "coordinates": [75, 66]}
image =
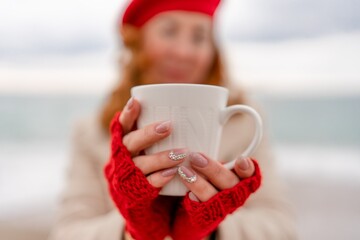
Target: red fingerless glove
{"type": "Point", "coordinates": [146, 214]}
{"type": "Point", "coordinates": [196, 220]}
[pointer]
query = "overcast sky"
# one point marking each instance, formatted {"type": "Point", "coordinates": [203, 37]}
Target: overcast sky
{"type": "Point", "coordinates": [70, 26]}
{"type": "Point", "coordinates": [41, 37]}
{"type": "Point", "coordinates": [266, 20]}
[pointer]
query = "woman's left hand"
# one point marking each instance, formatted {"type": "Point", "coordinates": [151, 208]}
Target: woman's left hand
{"type": "Point", "coordinates": [214, 177]}
{"type": "Point", "coordinates": [214, 193]}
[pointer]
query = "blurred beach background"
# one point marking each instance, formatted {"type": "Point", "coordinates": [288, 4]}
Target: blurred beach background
{"type": "Point", "coordinates": [299, 59]}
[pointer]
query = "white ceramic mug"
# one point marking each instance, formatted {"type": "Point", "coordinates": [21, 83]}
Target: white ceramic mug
{"type": "Point", "coordinates": [197, 113]}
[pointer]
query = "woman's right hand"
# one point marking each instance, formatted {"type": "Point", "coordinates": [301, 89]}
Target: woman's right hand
{"type": "Point", "coordinates": [135, 180]}
{"type": "Point", "coordinates": [161, 167]}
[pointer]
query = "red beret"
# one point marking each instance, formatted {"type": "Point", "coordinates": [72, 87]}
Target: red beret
{"type": "Point", "coordinates": [139, 12]}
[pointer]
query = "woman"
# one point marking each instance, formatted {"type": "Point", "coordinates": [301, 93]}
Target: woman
{"type": "Point", "coordinates": [168, 41]}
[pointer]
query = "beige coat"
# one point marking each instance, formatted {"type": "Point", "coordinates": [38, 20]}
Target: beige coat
{"type": "Point", "coordinates": [86, 211]}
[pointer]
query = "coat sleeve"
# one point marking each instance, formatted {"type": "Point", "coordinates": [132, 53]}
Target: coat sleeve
{"type": "Point", "coordinates": [267, 214]}
{"type": "Point", "coordinates": [85, 211]}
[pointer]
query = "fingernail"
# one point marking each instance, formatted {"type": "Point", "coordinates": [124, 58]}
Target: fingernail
{"type": "Point", "coordinates": [198, 160]}
{"type": "Point", "coordinates": [169, 172]}
{"type": "Point", "coordinates": [130, 103]}
{"type": "Point", "coordinates": [178, 154]}
{"type": "Point", "coordinates": [163, 127]}
{"type": "Point", "coordinates": [243, 163]}
{"type": "Point", "coordinates": [193, 197]}
{"type": "Point", "coordinates": [187, 174]}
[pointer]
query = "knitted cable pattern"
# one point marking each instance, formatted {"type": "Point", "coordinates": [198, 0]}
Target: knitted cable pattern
{"type": "Point", "coordinates": [146, 215]}
{"type": "Point", "coordinates": [196, 220]}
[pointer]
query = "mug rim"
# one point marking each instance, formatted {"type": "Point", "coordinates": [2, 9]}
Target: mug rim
{"type": "Point", "coordinates": [194, 85]}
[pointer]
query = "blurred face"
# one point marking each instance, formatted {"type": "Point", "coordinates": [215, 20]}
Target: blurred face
{"type": "Point", "coordinates": [179, 47]}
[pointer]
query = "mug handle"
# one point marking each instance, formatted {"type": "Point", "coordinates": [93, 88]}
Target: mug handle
{"type": "Point", "coordinates": [230, 111]}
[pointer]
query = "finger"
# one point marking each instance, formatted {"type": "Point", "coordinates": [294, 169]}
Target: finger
{"type": "Point", "coordinates": [193, 197]}
{"type": "Point", "coordinates": [244, 167]}
{"type": "Point", "coordinates": [143, 138]}
{"type": "Point", "coordinates": [202, 189]}
{"type": "Point", "coordinates": [161, 160]}
{"type": "Point", "coordinates": [161, 178]}
{"type": "Point", "coordinates": [129, 115]}
{"type": "Point", "coordinates": [214, 171]}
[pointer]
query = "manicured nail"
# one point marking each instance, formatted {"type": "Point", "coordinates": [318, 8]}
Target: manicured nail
{"type": "Point", "coordinates": [186, 174]}
{"type": "Point", "coordinates": [163, 127]}
{"type": "Point", "coordinates": [198, 160]}
{"type": "Point", "coordinates": [130, 104]}
{"type": "Point", "coordinates": [193, 197]}
{"type": "Point", "coordinates": [243, 163]}
{"type": "Point", "coordinates": [169, 172]}
{"type": "Point", "coordinates": [178, 154]}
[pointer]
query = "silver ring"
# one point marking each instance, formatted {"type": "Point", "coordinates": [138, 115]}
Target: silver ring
{"type": "Point", "coordinates": [186, 178]}
{"type": "Point", "coordinates": [176, 157]}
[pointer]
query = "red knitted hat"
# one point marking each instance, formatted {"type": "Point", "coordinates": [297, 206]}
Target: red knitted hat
{"type": "Point", "coordinates": [139, 12]}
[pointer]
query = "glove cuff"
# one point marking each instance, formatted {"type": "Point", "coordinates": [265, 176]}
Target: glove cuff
{"type": "Point", "coordinates": [125, 179]}
{"type": "Point", "coordinates": [213, 211]}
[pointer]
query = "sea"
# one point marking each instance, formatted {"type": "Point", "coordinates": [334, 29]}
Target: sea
{"type": "Point", "coordinates": [31, 119]}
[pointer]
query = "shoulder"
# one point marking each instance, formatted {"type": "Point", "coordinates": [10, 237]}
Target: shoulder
{"type": "Point", "coordinates": [88, 135]}
{"type": "Point", "coordinates": [86, 128]}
